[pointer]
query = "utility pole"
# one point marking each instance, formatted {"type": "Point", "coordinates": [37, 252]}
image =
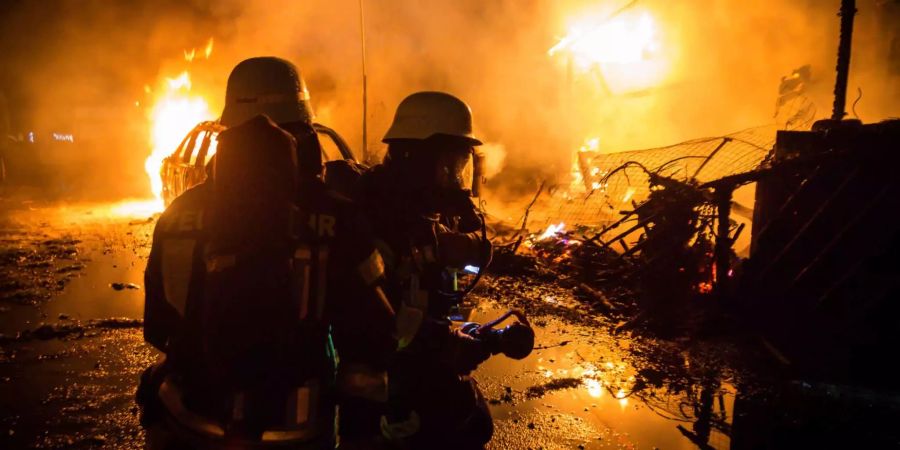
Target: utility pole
{"type": "Point", "coordinates": [362, 39]}
{"type": "Point", "coordinates": [848, 10]}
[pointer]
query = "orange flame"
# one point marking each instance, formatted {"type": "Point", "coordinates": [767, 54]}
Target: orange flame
{"type": "Point", "coordinates": [179, 82]}
{"type": "Point", "coordinates": [174, 111]}
{"type": "Point", "coordinates": [623, 39]}
{"type": "Point", "coordinates": [622, 53]}
{"type": "Point", "coordinates": [172, 116]}
{"type": "Point", "coordinates": [552, 231]}
{"type": "Point", "coordinates": [585, 175]}
{"type": "Point", "coordinates": [209, 48]}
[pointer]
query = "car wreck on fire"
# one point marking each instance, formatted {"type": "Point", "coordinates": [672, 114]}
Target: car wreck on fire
{"type": "Point", "coordinates": [185, 167]}
{"type": "Point", "coordinates": [660, 238]}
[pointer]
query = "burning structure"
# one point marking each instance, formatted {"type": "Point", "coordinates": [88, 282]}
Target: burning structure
{"type": "Point", "coordinates": [778, 231]}
{"type": "Point", "coordinates": [822, 234]}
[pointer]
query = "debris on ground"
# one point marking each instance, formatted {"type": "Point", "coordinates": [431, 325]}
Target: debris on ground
{"type": "Point", "coordinates": [32, 269]}
{"type": "Point", "coordinates": [70, 329]}
{"type": "Point", "coordinates": [654, 268]}
{"type": "Point", "coordinates": [122, 286]}
{"type": "Point", "coordinates": [142, 221]}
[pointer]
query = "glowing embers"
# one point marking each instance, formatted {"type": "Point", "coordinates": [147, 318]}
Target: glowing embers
{"type": "Point", "coordinates": [554, 244]}
{"type": "Point", "coordinates": [552, 231]}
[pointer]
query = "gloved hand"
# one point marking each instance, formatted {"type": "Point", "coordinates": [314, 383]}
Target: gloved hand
{"type": "Point", "coordinates": [466, 352]}
{"type": "Point", "coordinates": [458, 204]}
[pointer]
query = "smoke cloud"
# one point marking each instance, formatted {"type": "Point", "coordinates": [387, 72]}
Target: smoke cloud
{"type": "Point", "coordinates": [724, 61]}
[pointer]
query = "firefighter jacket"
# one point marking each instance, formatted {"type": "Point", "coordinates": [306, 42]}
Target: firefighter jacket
{"type": "Point", "coordinates": [344, 293]}
{"type": "Point", "coordinates": [428, 397]}
{"type": "Point", "coordinates": [420, 250]}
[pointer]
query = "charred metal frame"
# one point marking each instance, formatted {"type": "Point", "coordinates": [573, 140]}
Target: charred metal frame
{"type": "Point", "coordinates": [182, 169]}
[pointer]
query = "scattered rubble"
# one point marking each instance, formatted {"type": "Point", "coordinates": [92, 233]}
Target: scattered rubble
{"type": "Point", "coordinates": [32, 269]}
{"type": "Point", "coordinates": [70, 329]}
{"type": "Point", "coordinates": [122, 286]}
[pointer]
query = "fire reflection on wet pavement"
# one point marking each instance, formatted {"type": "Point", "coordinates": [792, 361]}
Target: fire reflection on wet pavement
{"type": "Point", "coordinates": [70, 361]}
{"type": "Point", "coordinates": [584, 387]}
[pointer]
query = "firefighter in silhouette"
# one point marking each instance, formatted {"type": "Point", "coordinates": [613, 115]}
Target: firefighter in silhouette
{"type": "Point", "coordinates": [254, 278]}
{"type": "Point", "coordinates": [419, 202]}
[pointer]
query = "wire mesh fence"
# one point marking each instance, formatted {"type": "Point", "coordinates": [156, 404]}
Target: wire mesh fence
{"type": "Point", "coordinates": [597, 195]}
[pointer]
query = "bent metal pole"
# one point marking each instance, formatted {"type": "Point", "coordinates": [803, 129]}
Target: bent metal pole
{"type": "Point", "coordinates": [365, 102]}
{"type": "Point", "coordinates": [848, 10]}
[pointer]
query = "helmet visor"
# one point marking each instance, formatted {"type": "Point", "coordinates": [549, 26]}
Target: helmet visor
{"type": "Point", "coordinates": [455, 169]}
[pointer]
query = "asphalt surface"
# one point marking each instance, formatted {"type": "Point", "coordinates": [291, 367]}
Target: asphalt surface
{"type": "Point", "coordinates": [71, 352]}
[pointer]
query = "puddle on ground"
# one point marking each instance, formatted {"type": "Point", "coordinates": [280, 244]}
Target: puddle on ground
{"type": "Point", "coordinates": [579, 389]}
{"type": "Point", "coordinates": [74, 393]}
{"type": "Point", "coordinates": [104, 253]}
{"type": "Point", "coordinates": [92, 294]}
{"type": "Point", "coordinates": [582, 387]}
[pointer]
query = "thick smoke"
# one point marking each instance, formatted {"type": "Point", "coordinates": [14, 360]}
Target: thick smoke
{"type": "Point", "coordinates": [79, 67]}
{"type": "Point", "coordinates": [725, 60]}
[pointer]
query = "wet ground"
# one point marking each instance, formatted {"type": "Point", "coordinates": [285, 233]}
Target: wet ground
{"type": "Point", "coordinates": [71, 347]}
{"type": "Point", "coordinates": [586, 387]}
{"type": "Point", "coordinates": [71, 352]}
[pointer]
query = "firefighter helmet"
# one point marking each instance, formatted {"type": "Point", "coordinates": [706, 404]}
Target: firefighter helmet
{"type": "Point", "coordinates": [426, 114]}
{"type": "Point", "coordinates": [266, 85]}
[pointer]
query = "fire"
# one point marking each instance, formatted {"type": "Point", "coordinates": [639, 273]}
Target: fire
{"type": "Point", "coordinates": [552, 231]}
{"type": "Point", "coordinates": [584, 174]}
{"type": "Point", "coordinates": [618, 53]}
{"type": "Point", "coordinates": [175, 112]}
{"type": "Point", "coordinates": [622, 39]}
{"type": "Point", "coordinates": [135, 208]}
{"type": "Point", "coordinates": [182, 81]}
{"type": "Point", "coordinates": [189, 55]}
{"type": "Point", "coordinates": [209, 47]}
{"type": "Point", "coordinates": [554, 244]}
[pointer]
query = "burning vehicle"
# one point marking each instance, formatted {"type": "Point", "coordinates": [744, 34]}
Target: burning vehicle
{"type": "Point", "coordinates": [736, 288]}
{"type": "Point", "coordinates": [175, 106]}
{"type": "Point", "coordinates": [186, 166]}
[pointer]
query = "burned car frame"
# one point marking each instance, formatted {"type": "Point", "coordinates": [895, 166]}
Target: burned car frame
{"type": "Point", "coordinates": [186, 166]}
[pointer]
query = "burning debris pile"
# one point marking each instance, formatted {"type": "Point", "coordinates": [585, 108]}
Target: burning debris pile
{"type": "Point", "coordinates": [641, 242]}
{"type": "Point", "coordinates": [670, 263]}
{"type": "Point", "coordinates": [593, 198]}
{"type": "Point", "coordinates": [823, 243]}
{"type": "Point", "coordinates": [673, 254]}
